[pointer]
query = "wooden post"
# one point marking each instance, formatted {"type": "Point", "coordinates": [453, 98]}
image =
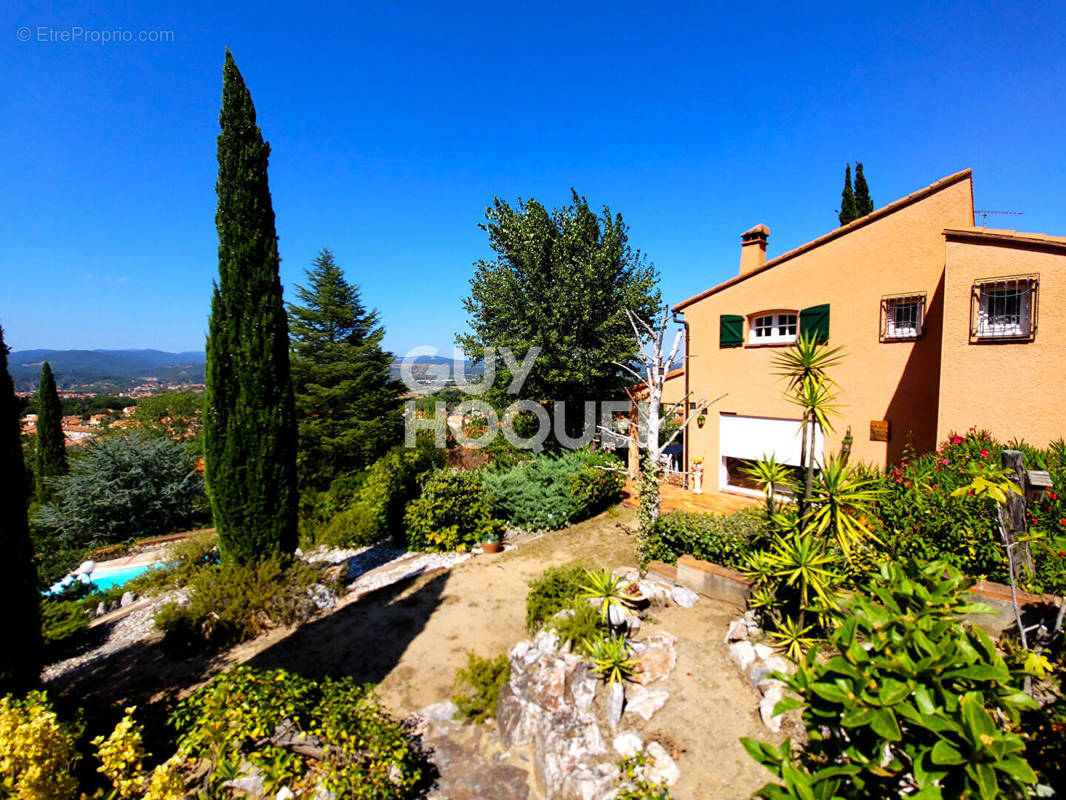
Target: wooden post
{"type": "Point", "coordinates": [1013, 462]}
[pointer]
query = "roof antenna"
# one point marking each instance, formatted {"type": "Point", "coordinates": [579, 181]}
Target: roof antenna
{"type": "Point", "coordinates": [984, 215]}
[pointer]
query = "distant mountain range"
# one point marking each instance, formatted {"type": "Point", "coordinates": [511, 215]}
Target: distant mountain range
{"type": "Point", "coordinates": [113, 371]}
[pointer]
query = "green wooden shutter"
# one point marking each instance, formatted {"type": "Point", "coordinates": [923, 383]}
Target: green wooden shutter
{"type": "Point", "coordinates": [815, 321]}
{"type": "Point", "coordinates": [731, 331]}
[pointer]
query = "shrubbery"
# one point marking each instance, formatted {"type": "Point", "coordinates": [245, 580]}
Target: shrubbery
{"type": "Point", "coordinates": [452, 511]}
{"type": "Point", "coordinates": [486, 677]}
{"type": "Point", "coordinates": [347, 744]}
{"type": "Point", "coordinates": [555, 590]}
{"type": "Point", "coordinates": [725, 540]}
{"type": "Point", "coordinates": [551, 492]}
{"type": "Point", "coordinates": [37, 751]}
{"type": "Point", "coordinates": [230, 603]}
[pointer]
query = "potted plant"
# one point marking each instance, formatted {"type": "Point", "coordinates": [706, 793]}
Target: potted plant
{"type": "Point", "coordinates": [491, 541]}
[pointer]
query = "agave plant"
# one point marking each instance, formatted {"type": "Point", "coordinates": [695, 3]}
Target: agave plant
{"type": "Point", "coordinates": [610, 657]}
{"type": "Point", "coordinates": [606, 589]}
{"type": "Point", "coordinates": [793, 638]}
{"type": "Point", "coordinates": [842, 500]}
{"type": "Point", "coordinates": [774, 477]}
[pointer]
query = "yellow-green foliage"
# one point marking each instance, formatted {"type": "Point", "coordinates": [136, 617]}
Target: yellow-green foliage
{"type": "Point", "coordinates": [487, 677]}
{"type": "Point", "coordinates": [121, 756]}
{"type": "Point", "coordinates": [555, 589]}
{"type": "Point", "coordinates": [451, 512]}
{"type": "Point", "coordinates": [363, 753]}
{"type": "Point", "coordinates": [36, 750]}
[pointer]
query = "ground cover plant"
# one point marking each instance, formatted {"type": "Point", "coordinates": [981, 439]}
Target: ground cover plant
{"type": "Point", "coordinates": [904, 699]}
{"type": "Point", "coordinates": [725, 540]}
{"type": "Point", "coordinates": [552, 591]}
{"type": "Point", "coordinates": [486, 678]}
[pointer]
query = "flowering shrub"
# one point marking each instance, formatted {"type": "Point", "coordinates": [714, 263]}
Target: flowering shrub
{"type": "Point", "coordinates": [36, 750]}
{"type": "Point", "coordinates": [122, 755]}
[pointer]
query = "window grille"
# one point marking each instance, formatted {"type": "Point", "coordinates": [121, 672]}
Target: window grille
{"type": "Point", "coordinates": [902, 317]}
{"type": "Point", "coordinates": [1004, 309]}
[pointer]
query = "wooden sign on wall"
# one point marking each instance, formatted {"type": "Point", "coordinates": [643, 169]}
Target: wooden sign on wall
{"type": "Point", "coordinates": [880, 430]}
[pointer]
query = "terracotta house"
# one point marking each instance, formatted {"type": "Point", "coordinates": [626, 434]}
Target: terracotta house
{"type": "Point", "coordinates": [945, 326]}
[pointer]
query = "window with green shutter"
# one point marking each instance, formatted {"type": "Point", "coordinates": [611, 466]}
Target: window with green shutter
{"type": "Point", "coordinates": [731, 331]}
{"type": "Point", "coordinates": [814, 321]}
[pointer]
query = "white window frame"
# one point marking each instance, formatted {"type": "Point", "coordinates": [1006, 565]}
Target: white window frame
{"type": "Point", "coordinates": [773, 327]}
{"type": "Point", "coordinates": [891, 330]}
{"type": "Point", "coordinates": [1004, 308]}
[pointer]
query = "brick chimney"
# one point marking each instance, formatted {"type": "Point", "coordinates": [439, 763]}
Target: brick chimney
{"type": "Point", "coordinates": [753, 248]}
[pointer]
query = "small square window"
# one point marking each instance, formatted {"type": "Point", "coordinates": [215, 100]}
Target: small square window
{"type": "Point", "coordinates": [902, 317]}
{"type": "Point", "coordinates": [774, 328]}
{"type": "Point", "coordinates": [1004, 309]}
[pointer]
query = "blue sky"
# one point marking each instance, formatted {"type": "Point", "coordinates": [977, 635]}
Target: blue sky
{"type": "Point", "coordinates": [393, 126]}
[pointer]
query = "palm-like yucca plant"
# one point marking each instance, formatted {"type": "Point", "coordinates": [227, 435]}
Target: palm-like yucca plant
{"type": "Point", "coordinates": [800, 561]}
{"type": "Point", "coordinates": [610, 657]}
{"type": "Point", "coordinates": [793, 637]}
{"type": "Point", "coordinates": [606, 589]}
{"type": "Point", "coordinates": [774, 477]}
{"type": "Point", "coordinates": [806, 358]}
{"type": "Point", "coordinates": [843, 498]}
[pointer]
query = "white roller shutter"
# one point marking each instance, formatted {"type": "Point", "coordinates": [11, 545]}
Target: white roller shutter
{"type": "Point", "coordinates": [753, 437]}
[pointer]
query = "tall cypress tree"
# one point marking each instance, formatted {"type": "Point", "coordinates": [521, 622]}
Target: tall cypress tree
{"type": "Point", "coordinates": [20, 622]}
{"type": "Point", "coordinates": [249, 423]}
{"type": "Point", "coordinates": [51, 443]}
{"type": "Point", "coordinates": [847, 200]}
{"type": "Point", "coordinates": [863, 203]}
{"type": "Point", "coordinates": [348, 405]}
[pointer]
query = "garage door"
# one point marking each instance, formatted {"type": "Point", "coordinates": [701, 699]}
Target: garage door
{"type": "Point", "coordinates": [751, 438]}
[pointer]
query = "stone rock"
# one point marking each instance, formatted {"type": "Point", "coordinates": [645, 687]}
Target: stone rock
{"type": "Point", "coordinates": [772, 697]}
{"type": "Point", "coordinates": [627, 744]}
{"type": "Point", "coordinates": [632, 625]}
{"type": "Point", "coordinates": [591, 782]}
{"type": "Point", "coordinates": [299, 552]}
{"type": "Point", "coordinates": [616, 700]}
{"type": "Point", "coordinates": [564, 742]}
{"type": "Point", "coordinates": [764, 651]}
{"type": "Point", "coordinates": [250, 785]}
{"type": "Point", "coordinates": [738, 630]}
{"type": "Point", "coordinates": [518, 718]}
{"type": "Point", "coordinates": [664, 769]}
{"type": "Point", "coordinates": [766, 684]}
{"type": "Point", "coordinates": [547, 685]}
{"type": "Point", "coordinates": [616, 615]}
{"type": "Point", "coordinates": [443, 711]}
{"type": "Point", "coordinates": [101, 609]}
{"type": "Point", "coordinates": [758, 675]}
{"type": "Point", "coordinates": [583, 687]}
{"type": "Point", "coordinates": [547, 641]}
{"type": "Point", "coordinates": [644, 703]}
{"type": "Point", "coordinates": [322, 793]}
{"type": "Point", "coordinates": [780, 664]}
{"type": "Point", "coordinates": [127, 599]}
{"type": "Point", "coordinates": [683, 596]}
{"type": "Point", "coordinates": [653, 592]}
{"type": "Point", "coordinates": [321, 596]}
{"type": "Point", "coordinates": [335, 573]}
{"type": "Point", "coordinates": [658, 658]}
{"type": "Point", "coordinates": [743, 654]}
{"type": "Point", "coordinates": [86, 568]}
{"type": "Point", "coordinates": [566, 613]}
{"type": "Point", "coordinates": [285, 793]}
{"type": "Point", "coordinates": [500, 782]}
{"type": "Point", "coordinates": [627, 574]}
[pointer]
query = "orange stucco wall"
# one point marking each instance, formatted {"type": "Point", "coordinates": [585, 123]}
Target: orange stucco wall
{"type": "Point", "coordinates": [900, 252]}
{"type": "Point", "coordinates": [1015, 390]}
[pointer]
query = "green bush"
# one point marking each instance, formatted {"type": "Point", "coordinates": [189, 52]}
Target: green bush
{"type": "Point", "coordinates": [351, 746]}
{"type": "Point", "coordinates": [486, 677]}
{"type": "Point", "coordinates": [551, 492]}
{"type": "Point", "coordinates": [725, 540]}
{"type": "Point", "coordinates": [231, 603]}
{"type": "Point", "coordinates": [452, 511]}
{"type": "Point", "coordinates": [125, 487]}
{"type": "Point", "coordinates": [61, 620]}
{"type": "Point", "coordinates": [906, 697]}
{"type": "Point", "coordinates": [555, 589]}
{"type": "Point", "coordinates": [376, 511]}
{"type": "Point", "coordinates": [581, 626]}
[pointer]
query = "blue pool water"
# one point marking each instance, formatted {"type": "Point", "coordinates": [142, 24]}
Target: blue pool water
{"type": "Point", "coordinates": [116, 577]}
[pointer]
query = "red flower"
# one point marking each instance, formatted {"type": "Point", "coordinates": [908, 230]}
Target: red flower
{"type": "Point", "coordinates": [1062, 522]}
{"type": "Point", "coordinates": [984, 453]}
{"type": "Point", "coordinates": [936, 485]}
{"type": "Point", "coordinates": [956, 439]}
{"type": "Point", "coordinates": [1052, 496]}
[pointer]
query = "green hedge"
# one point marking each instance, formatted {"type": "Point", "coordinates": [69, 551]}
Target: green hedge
{"type": "Point", "coordinates": [725, 540]}
{"type": "Point", "coordinates": [551, 492]}
{"type": "Point", "coordinates": [452, 511]}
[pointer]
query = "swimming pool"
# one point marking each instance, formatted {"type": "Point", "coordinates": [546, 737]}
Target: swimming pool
{"type": "Point", "coordinates": [104, 579]}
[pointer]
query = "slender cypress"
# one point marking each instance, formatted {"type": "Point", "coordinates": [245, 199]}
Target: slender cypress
{"type": "Point", "coordinates": [20, 622]}
{"type": "Point", "coordinates": [847, 200]}
{"type": "Point", "coordinates": [51, 443]}
{"type": "Point", "coordinates": [863, 203]}
{"type": "Point", "coordinates": [249, 424]}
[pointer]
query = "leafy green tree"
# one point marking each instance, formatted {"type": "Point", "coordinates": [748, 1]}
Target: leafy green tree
{"type": "Point", "coordinates": [347, 404]}
{"type": "Point", "coordinates": [124, 487]}
{"type": "Point", "coordinates": [848, 212]}
{"type": "Point", "coordinates": [562, 281]}
{"type": "Point", "coordinates": [51, 443]}
{"type": "Point", "coordinates": [863, 203]}
{"type": "Point", "coordinates": [249, 422]}
{"type": "Point", "coordinates": [20, 623]}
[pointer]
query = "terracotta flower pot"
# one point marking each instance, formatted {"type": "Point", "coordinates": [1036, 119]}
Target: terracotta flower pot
{"type": "Point", "coordinates": [491, 547]}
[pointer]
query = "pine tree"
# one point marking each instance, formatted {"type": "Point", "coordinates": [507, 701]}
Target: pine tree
{"type": "Point", "coordinates": [347, 404]}
{"type": "Point", "coordinates": [51, 443]}
{"type": "Point", "coordinates": [249, 423]}
{"type": "Point", "coordinates": [863, 203]}
{"type": "Point", "coordinates": [847, 200]}
{"type": "Point", "coordinates": [20, 622]}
